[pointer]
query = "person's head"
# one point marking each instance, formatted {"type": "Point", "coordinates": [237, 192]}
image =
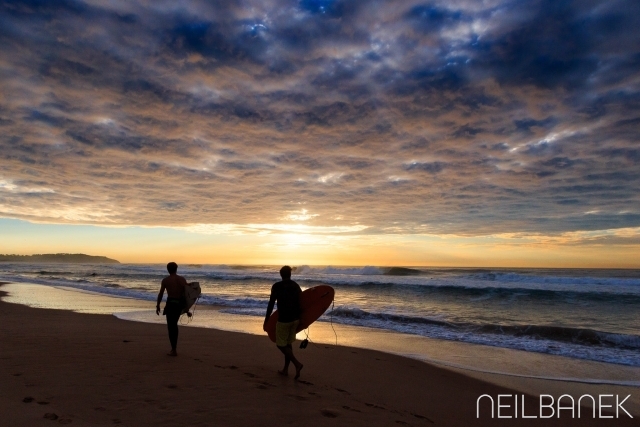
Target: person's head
{"type": "Point", "coordinates": [172, 268]}
{"type": "Point", "coordinates": [285, 272]}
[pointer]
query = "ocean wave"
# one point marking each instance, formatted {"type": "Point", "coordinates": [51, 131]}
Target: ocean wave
{"type": "Point", "coordinates": [550, 280]}
{"type": "Point", "coordinates": [514, 277]}
{"type": "Point", "coordinates": [414, 286]}
{"type": "Point", "coordinates": [397, 276]}
{"type": "Point", "coordinates": [357, 313]}
{"type": "Point", "coordinates": [230, 301]}
{"type": "Point", "coordinates": [402, 271]}
{"type": "Point", "coordinates": [476, 293]}
{"type": "Point", "coordinates": [352, 271]}
{"type": "Point", "coordinates": [55, 273]}
{"type": "Point", "coordinates": [587, 337]}
{"type": "Point", "coordinates": [368, 270]}
{"type": "Point", "coordinates": [113, 285]}
{"type": "Point", "coordinates": [245, 311]}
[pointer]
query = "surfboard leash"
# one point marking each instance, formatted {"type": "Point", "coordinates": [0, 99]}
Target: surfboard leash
{"type": "Point", "coordinates": [195, 304]}
{"type": "Point", "coordinates": [193, 314]}
{"type": "Point", "coordinates": [303, 345]}
{"type": "Point", "coordinates": [307, 340]}
{"type": "Point", "coordinates": [333, 304]}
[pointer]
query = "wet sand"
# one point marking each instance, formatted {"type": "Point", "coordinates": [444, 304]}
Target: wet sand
{"type": "Point", "coordinates": [95, 369]}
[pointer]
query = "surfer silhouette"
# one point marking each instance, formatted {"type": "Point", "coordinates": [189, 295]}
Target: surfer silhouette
{"type": "Point", "coordinates": [287, 294]}
{"type": "Point", "coordinates": [174, 285]}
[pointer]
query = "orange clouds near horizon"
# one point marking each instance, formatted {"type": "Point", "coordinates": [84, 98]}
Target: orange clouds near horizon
{"type": "Point", "coordinates": [158, 245]}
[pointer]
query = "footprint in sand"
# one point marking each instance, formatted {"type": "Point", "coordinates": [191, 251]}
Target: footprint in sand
{"type": "Point", "coordinates": [296, 397]}
{"type": "Point", "coordinates": [233, 367]}
{"type": "Point", "coordinates": [50, 416]}
{"type": "Point", "coordinates": [263, 385]}
{"type": "Point", "coordinates": [422, 417]}
{"type": "Point", "coordinates": [342, 391]}
{"type": "Point", "coordinates": [172, 386]}
{"type": "Point", "coordinates": [329, 413]}
{"type": "Point", "coordinates": [305, 382]}
{"type": "Point", "coordinates": [28, 399]}
{"type": "Point", "coordinates": [17, 375]}
{"type": "Point", "coordinates": [126, 341]}
{"type": "Point", "coordinates": [43, 403]}
{"type": "Point", "coordinates": [250, 375]}
{"type": "Point", "coordinates": [372, 405]}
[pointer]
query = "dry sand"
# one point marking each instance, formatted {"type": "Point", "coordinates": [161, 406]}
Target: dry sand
{"type": "Point", "coordinates": [95, 370]}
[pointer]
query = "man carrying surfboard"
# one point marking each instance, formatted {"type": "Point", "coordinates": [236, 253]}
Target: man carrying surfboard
{"type": "Point", "coordinates": [287, 294]}
{"type": "Point", "coordinates": [174, 285]}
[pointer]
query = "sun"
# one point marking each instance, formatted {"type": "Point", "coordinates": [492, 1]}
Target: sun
{"type": "Point", "coordinates": [294, 240]}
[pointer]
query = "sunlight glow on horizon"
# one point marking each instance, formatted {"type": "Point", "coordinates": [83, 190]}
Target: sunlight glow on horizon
{"type": "Point", "coordinates": [275, 246]}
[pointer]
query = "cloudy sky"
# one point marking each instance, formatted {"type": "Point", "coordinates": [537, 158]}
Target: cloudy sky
{"type": "Point", "coordinates": [334, 132]}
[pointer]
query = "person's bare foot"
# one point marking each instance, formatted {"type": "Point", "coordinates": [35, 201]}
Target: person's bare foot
{"type": "Point", "coordinates": [284, 373]}
{"type": "Point", "coordinates": [298, 369]}
{"type": "Point", "coordinates": [172, 353]}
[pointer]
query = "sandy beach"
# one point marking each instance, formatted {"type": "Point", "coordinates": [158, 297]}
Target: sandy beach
{"type": "Point", "coordinates": [89, 369]}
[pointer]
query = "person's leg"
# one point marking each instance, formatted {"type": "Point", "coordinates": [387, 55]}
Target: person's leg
{"type": "Point", "coordinates": [292, 339]}
{"type": "Point", "coordinates": [285, 336]}
{"type": "Point", "coordinates": [172, 325]}
{"type": "Point", "coordinates": [288, 355]}
{"type": "Point", "coordinates": [287, 360]}
{"type": "Point", "coordinates": [283, 330]}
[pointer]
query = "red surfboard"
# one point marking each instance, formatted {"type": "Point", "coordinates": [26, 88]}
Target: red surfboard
{"type": "Point", "coordinates": [313, 303]}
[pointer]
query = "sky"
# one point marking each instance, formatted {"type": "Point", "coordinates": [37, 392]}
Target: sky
{"type": "Point", "coordinates": [457, 133]}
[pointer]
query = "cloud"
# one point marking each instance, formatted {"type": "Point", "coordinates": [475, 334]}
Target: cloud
{"type": "Point", "coordinates": [459, 117]}
{"type": "Point", "coordinates": [620, 236]}
{"type": "Point", "coordinates": [431, 167]}
{"type": "Point", "coordinates": [237, 229]}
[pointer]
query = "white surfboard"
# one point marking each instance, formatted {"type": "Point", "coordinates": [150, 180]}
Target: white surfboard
{"type": "Point", "coordinates": [191, 294]}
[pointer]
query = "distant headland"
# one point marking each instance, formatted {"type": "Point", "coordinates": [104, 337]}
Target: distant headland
{"type": "Point", "coordinates": [68, 258]}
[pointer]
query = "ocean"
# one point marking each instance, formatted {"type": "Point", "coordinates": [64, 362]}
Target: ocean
{"type": "Point", "coordinates": [589, 314]}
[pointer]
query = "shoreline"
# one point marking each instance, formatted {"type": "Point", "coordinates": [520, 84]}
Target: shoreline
{"type": "Point", "coordinates": [98, 369]}
{"type": "Point", "coordinates": [465, 357]}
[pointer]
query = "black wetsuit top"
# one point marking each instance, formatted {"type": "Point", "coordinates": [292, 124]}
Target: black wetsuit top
{"type": "Point", "coordinates": [287, 294]}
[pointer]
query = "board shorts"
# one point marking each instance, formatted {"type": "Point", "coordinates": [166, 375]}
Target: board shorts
{"type": "Point", "coordinates": [173, 305]}
{"type": "Point", "coordinates": [286, 333]}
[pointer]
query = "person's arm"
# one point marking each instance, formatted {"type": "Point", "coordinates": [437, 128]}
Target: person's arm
{"type": "Point", "coordinates": [272, 301]}
{"type": "Point", "coordinates": [162, 287]}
